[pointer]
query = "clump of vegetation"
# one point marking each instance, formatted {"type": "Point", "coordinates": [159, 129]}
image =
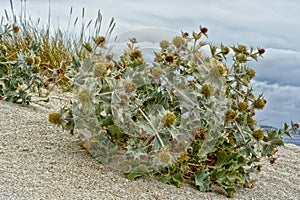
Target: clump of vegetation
{"type": "Point", "coordinates": [186, 116]}
{"type": "Point", "coordinates": [35, 59]}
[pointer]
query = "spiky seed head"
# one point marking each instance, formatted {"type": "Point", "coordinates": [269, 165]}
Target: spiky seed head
{"type": "Point", "coordinates": [222, 69]}
{"type": "Point", "coordinates": [169, 119]}
{"type": "Point", "coordinates": [230, 115]}
{"type": "Point", "coordinates": [84, 96]}
{"type": "Point", "coordinates": [251, 73]}
{"type": "Point", "coordinates": [225, 50]}
{"type": "Point", "coordinates": [243, 106]}
{"type": "Point", "coordinates": [55, 118]}
{"type": "Point", "coordinates": [164, 44]}
{"type": "Point", "coordinates": [164, 156]}
{"type": "Point", "coordinates": [129, 86]}
{"type": "Point", "coordinates": [135, 54]}
{"type": "Point", "coordinates": [258, 134]}
{"type": "Point", "coordinates": [156, 72]}
{"type": "Point", "coordinates": [100, 69]}
{"type": "Point", "coordinates": [30, 60]}
{"type": "Point", "coordinates": [178, 41]}
{"type": "Point", "coordinates": [259, 103]}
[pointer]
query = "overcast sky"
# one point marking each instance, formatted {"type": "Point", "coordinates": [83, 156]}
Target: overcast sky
{"type": "Point", "coordinates": [270, 24]}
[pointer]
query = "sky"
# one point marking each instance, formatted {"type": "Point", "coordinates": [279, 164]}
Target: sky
{"type": "Point", "coordinates": [270, 24]}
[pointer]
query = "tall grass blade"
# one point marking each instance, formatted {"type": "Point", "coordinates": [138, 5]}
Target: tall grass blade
{"type": "Point", "coordinates": [98, 24]}
{"type": "Point", "coordinates": [13, 12]}
{"type": "Point", "coordinates": [69, 20]}
{"type": "Point", "coordinates": [6, 14]}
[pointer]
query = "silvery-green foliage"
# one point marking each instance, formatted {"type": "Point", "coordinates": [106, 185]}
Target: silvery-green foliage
{"type": "Point", "coordinates": [184, 116]}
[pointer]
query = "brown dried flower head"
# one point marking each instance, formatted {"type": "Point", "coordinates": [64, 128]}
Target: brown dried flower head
{"type": "Point", "coordinates": [16, 28]}
{"type": "Point", "coordinates": [135, 54]}
{"type": "Point", "coordinates": [203, 30]}
{"type": "Point", "coordinates": [259, 103]}
{"type": "Point", "coordinates": [261, 51]}
{"type": "Point", "coordinates": [99, 40]}
{"type": "Point", "coordinates": [133, 40]}
{"type": "Point", "coordinates": [243, 106]}
{"type": "Point", "coordinates": [230, 115]}
{"type": "Point", "coordinates": [225, 50]}
{"type": "Point", "coordinates": [170, 59]}
{"type": "Point", "coordinates": [184, 34]}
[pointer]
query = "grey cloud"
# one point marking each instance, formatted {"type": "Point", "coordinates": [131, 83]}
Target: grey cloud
{"type": "Point", "coordinates": [282, 104]}
{"type": "Point", "coordinates": [271, 24]}
{"type": "Point", "coordinates": [279, 66]}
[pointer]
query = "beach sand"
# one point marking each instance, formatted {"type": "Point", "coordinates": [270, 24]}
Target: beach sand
{"type": "Point", "coordinates": [41, 161]}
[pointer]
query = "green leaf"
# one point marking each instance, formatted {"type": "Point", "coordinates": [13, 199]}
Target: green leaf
{"type": "Point", "coordinates": [177, 179]}
{"type": "Point", "coordinates": [286, 130]}
{"type": "Point", "coordinates": [202, 180]}
{"type": "Point", "coordinates": [87, 65]}
{"type": "Point", "coordinates": [88, 47]}
{"type": "Point", "coordinates": [132, 175]}
{"type": "Point", "coordinates": [220, 175]}
{"type": "Point", "coordinates": [165, 179]}
{"type": "Point", "coordinates": [224, 158]}
{"type": "Point", "coordinates": [117, 133]}
{"type": "Point", "coordinates": [272, 140]}
{"type": "Point", "coordinates": [76, 61]}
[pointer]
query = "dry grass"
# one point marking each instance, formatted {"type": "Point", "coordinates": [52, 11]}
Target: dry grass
{"type": "Point", "coordinates": [55, 47]}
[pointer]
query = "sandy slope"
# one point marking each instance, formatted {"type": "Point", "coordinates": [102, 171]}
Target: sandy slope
{"type": "Point", "coordinates": [39, 161]}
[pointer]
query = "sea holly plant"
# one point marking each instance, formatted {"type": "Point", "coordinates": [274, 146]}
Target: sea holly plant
{"type": "Point", "coordinates": [187, 116]}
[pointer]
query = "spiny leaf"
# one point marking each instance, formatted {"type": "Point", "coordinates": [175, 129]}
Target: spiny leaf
{"type": "Point", "coordinates": [132, 175]}
{"type": "Point", "coordinates": [225, 158]}
{"type": "Point", "coordinates": [202, 180]}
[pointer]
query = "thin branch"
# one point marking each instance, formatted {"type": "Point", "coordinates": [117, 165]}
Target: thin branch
{"type": "Point", "coordinates": [183, 95]}
{"type": "Point", "coordinates": [153, 128]}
